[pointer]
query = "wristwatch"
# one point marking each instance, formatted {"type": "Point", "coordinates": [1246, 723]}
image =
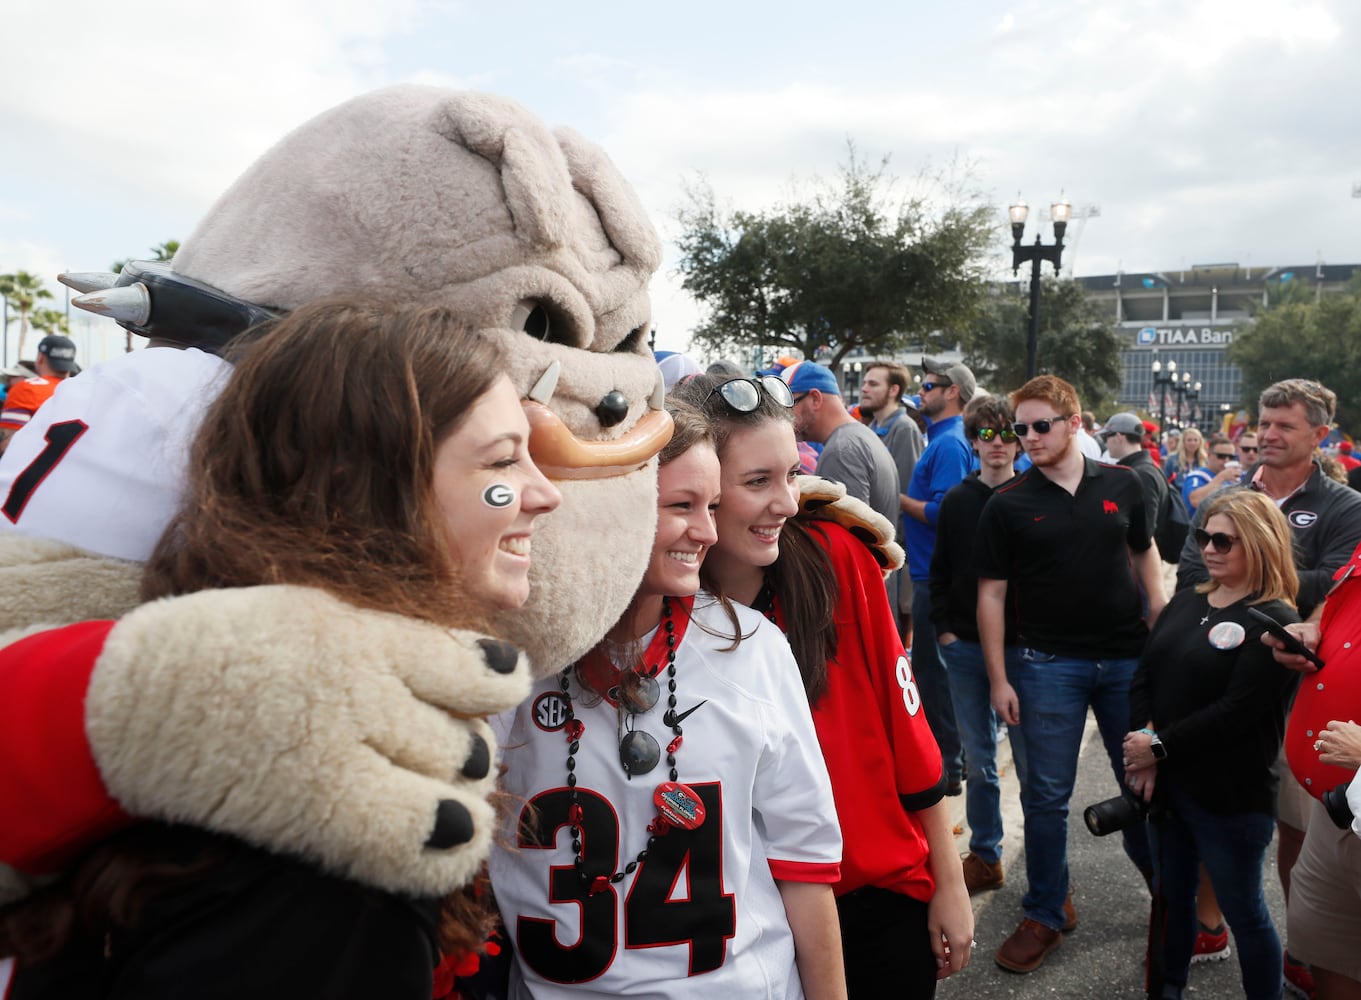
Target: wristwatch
{"type": "Point", "coordinates": [1156, 746]}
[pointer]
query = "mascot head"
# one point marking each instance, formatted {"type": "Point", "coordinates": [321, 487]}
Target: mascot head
{"type": "Point", "coordinates": [427, 196]}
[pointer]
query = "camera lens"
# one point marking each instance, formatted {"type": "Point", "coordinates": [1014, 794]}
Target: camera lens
{"type": "Point", "coordinates": [1114, 815]}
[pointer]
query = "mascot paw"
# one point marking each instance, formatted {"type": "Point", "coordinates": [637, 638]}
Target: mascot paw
{"type": "Point", "coordinates": [823, 500]}
{"type": "Point", "coordinates": [301, 724]}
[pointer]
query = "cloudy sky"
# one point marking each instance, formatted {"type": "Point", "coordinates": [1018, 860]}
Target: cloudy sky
{"type": "Point", "coordinates": [1203, 130]}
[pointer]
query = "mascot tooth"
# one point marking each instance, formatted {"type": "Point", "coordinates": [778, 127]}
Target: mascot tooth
{"type": "Point", "coordinates": [413, 194]}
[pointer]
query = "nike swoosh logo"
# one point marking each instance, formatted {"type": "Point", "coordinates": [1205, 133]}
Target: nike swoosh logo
{"type": "Point", "coordinates": [672, 719]}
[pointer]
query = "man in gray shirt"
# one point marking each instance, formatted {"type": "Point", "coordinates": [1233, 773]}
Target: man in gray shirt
{"type": "Point", "coordinates": [852, 454]}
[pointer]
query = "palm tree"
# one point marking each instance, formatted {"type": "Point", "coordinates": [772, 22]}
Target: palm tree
{"type": "Point", "coordinates": [50, 321]}
{"type": "Point", "coordinates": [22, 290]}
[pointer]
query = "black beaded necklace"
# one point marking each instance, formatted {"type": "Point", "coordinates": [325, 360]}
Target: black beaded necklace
{"type": "Point", "coordinates": [677, 804]}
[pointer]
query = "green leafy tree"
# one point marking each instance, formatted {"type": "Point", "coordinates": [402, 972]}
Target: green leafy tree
{"type": "Point", "coordinates": [851, 266]}
{"type": "Point", "coordinates": [47, 321]}
{"type": "Point", "coordinates": [1300, 338]}
{"type": "Point", "coordinates": [22, 291]}
{"type": "Point", "coordinates": [1077, 342]}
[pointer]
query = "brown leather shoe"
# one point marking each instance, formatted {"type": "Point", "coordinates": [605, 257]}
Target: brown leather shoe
{"type": "Point", "coordinates": [1026, 949]}
{"type": "Point", "coordinates": [1069, 914]}
{"type": "Point", "coordinates": [979, 875]}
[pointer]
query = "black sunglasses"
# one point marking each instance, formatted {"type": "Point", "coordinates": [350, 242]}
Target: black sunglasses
{"type": "Point", "coordinates": [1221, 540]}
{"type": "Point", "coordinates": [1226, 456]}
{"type": "Point", "coordinates": [744, 394]}
{"type": "Point", "coordinates": [636, 693]}
{"type": "Point", "coordinates": [942, 384]}
{"type": "Point", "coordinates": [988, 433]}
{"type": "Point", "coordinates": [1250, 449]}
{"type": "Point", "coordinates": [1041, 426]}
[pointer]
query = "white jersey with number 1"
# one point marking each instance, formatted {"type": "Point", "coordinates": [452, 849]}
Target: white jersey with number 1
{"type": "Point", "coordinates": [102, 463]}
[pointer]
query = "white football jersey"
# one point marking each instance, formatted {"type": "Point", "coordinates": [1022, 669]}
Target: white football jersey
{"type": "Point", "coordinates": [102, 463]}
{"type": "Point", "coordinates": [702, 911]}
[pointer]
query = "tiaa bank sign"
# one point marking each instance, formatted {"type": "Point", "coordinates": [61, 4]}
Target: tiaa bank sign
{"type": "Point", "coordinates": [1185, 336]}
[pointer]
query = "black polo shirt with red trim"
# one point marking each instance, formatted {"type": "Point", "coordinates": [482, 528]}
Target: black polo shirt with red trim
{"type": "Point", "coordinates": [1065, 557]}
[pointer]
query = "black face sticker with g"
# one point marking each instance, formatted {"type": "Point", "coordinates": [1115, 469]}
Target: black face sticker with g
{"type": "Point", "coordinates": [498, 495]}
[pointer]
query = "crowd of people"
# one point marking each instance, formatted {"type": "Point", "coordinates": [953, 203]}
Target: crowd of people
{"type": "Point", "coordinates": [315, 719]}
{"type": "Point", "coordinates": [776, 642]}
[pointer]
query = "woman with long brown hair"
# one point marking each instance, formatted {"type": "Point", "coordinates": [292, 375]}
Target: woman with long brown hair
{"type": "Point", "coordinates": [678, 834]}
{"type": "Point", "coordinates": [371, 462]}
{"type": "Point", "coordinates": [903, 910]}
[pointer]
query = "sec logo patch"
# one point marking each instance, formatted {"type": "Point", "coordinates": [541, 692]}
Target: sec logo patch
{"type": "Point", "coordinates": [550, 711]}
{"type": "Point", "coordinates": [1302, 518]}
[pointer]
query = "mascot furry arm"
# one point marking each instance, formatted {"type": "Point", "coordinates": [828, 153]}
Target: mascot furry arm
{"type": "Point", "coordinates": [277, 714]}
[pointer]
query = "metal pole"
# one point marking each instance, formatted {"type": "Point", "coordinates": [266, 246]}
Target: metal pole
{"type": "Point", "coordinates": [1032, 343]}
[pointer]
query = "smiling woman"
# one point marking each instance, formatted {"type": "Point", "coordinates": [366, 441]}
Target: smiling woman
{"type": "Point", "coordinates": [679, 751]}
{"type": "Point", "coordinates": [371, 458]}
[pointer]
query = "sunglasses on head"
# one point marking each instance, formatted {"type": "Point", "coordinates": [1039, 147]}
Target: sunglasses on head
{"type": "Point", "coordinates": [986, 434]}
{"type": "Point", "coordinates": [1221, 540]}
{"type": "Point", "coordinates": [1041, 426]}
{"type": "Point", "coordinates": [936, 384]}
{"type": "Point", "coordinates": [744, 394]}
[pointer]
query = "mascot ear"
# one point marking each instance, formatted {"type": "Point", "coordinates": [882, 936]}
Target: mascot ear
{"type": "Point", "coordinates": [533, 172]}
{"type": "Point", "coordinates": [621, 213]}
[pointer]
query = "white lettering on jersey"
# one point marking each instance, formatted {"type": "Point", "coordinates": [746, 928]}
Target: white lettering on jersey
{"type": "Point", "coordinates": [912, 699]}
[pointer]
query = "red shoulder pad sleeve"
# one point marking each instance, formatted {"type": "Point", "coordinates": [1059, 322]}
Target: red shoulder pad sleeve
{"type": "Point", "coordinates": [51, 795]}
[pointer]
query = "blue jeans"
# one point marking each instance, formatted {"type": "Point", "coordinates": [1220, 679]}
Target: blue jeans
{"type": "Point", "coordinates": [977, 722]}
{"type": "Point", "coordinates": [1054, 693]}
{"type": "Point", "coordinates": [1232, 848]}
{"type": "Point", "coordinates": [933, 682]}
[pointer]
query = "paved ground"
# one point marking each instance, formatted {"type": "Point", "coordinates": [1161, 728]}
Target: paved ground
{"type": "Point", "coordinates": [1103, 958]}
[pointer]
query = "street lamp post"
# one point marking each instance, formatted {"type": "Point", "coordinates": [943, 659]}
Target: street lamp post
{"type": "Point", "coordinates": [1059, 212]}
{"type": "Point", "coordinates": [1162, 380]}
{"type": "Point", "coordinates": [1180, 388]}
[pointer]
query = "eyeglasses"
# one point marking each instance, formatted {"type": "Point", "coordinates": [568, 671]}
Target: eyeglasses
{"type": "Point", "coordinates": [986, 434]}
{"type": "Point", "coordinates": [1227, 456]}
{"type": "Point", "coordinates": [1041, 426]}
{"type": "Point", "coordinates": [942, 384]}
{"type": "Point", "coordinates": [1221, 540]}
{"type": "Point", "coordinates": [744, 394]}
{"type": "Point", "coordinates": [636, 693]}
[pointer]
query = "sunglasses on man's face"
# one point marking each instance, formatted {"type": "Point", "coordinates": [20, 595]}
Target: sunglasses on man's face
{"type": "Point", "coordinates": [744, 394]}
{"type": "Point", "coordinates": [1041, 426]}
{"type": "Point", "coordinates": [1221, 540]}
{"type": "Point", "coordinates": [942, 384]}
{"type": "Point", "coordinates": [986, 434]}
{"type": "Point", "coordinates": [1226, 456]}
{"type": "Point", "coordinates": [1248, 449]}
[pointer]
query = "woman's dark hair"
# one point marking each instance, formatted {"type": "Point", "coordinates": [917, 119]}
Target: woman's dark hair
{"type": "Point", "coordinates": [801, 578]}
{"type": "Point", "coordinates": [315, 465]}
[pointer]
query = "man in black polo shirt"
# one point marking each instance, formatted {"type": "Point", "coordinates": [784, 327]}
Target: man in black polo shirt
{"type": "Point", "coordinates": [1067, 545]}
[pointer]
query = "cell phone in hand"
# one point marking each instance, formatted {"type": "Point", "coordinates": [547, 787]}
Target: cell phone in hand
{"type": "Point", "coordinates": [1291, 642]}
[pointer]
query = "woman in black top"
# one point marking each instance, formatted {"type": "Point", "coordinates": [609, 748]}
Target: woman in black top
{"type": "Point", "coordinates": [1207, 706]}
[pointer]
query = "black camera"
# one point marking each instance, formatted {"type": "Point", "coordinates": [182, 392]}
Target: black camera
{"type": "Point", "coordinates": [1117, 814]}
{"type": "Point", "coordinates": [1335, 801]}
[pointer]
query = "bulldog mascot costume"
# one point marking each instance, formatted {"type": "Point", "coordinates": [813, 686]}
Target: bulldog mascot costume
{"type": "Point", "coordinates": [213, 709]}
{"type": "Point", "coordinates": [279, 715]}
